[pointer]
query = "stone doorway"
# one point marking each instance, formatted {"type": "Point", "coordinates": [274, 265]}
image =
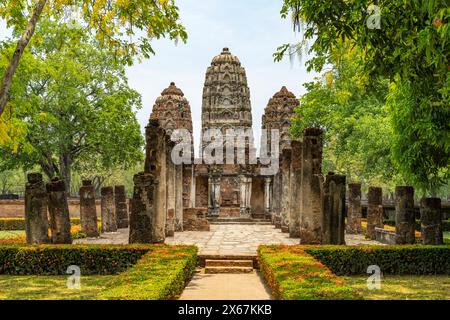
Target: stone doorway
{"type": "Point", "coordinates": [201, 192]}
{"type": "Point", "coordinates": [257, 198]}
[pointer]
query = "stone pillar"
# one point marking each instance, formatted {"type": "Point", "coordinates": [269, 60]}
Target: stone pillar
{"type": "Point", "coordinates": [311, 218]}
{"type": "Point", "coordinates": [36, 221]}
{"type": "Point", "coordinates": [120, 199]}
{"type": "Point", "coordinates": [210, 196]}
{"type": "Point", "coordinates": [404, 215]}
{"type": "Point", "coordinates": [333, 209]}
{"type": "Point", "coordinates": [248, 196]}
{"type": "Point", "coordinates": [170, 193]}
{"type": "Point", "coordinates": [214, 195]}
{"type": "Point", "coordinates": [147, 218]}
{"type": "Point", "coordinates": [59, 211]}
{"type": "Point", "coordinates": [354, 213]}
{"type": "Point", "coordinates": [88, 209]}
{"type": "Point", "coordinates": [193, 188]}
{"type": "Point", "coordinates": [149, 204]}
{"type": "Point", "coordinates": [286, 190]}
{"type": "Point", "coordinates": [245, 195]}
{"type": "Point", "coordinates": [296, 189]}
{"type": "Point", "coordinates": [243, 192]}
{"type": "Point", "coordinates": [374, 211]}
{"type": "Point", "coordinates": [267, 196]}
{"type": "Point", "coordinates": [109, 221]}
{"type": "Point", "coordinates": [276, 204]}
{"type": "Point", "coordinates": [179, 184]}
{"type": "Point", "coordinates": [431, 221]}
{"type": "Point", "coordinates": [156, 165]}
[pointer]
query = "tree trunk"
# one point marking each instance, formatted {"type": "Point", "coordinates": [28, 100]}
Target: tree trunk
{"type": "Point", "coordinates": [20, 48]}
{"type": "Point", "coordinates": [65, 164]}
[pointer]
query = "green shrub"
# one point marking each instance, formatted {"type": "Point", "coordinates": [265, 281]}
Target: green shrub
{"type": "Point", "coordinates": [293, 274]}
{"type": "Point", "coordinates": [54, 259]}
{"type": "Point", "coordinates": [413, 259]}
{"type": "Point", "coordinates": [161, 274]}
{"type": "Point", "coordinates": [142, 272]}
{"type": "Point", "coordinates": [7, 224]}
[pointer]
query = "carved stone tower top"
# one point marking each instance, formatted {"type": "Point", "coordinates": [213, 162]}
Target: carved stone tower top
{"type": "Point", "coordinates": [226, 95]}
{"type": "Point", "coordinates": [172, 110]}
{"type": "Point", "coordinates": [278, 114]}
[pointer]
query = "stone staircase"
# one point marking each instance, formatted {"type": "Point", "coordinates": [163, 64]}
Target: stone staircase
{"type": "Point", "coordinates": [214, 266]}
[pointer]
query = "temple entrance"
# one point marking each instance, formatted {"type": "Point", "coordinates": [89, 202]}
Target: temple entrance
{"type": "Point", "coordinates": [230, 198]}
{"type": "Point", "coordinates": [229, 188]}
{"type": "Point", "coordinates": [257, 198]}
{"type": "Point", "coordinates": [201, 192]}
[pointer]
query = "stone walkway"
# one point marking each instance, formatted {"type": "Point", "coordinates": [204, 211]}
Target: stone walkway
{"type": "Point", "coordinates": [224, 239]}
{"type": "Point", "coordinates": [248, 286]}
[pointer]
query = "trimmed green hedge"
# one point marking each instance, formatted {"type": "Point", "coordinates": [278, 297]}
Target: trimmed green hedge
{"type": "Point", "coordinates": [312, 272]}
{"type": "Point", "coordinates": [413, 259]}
{"type": "Point", "coordinates": [142, 272]}
{"type": "Point", "coordinates": [7, 224]}
{"type": "Point", "coordinates": [54, 260]}
{"type": "Point", "coordinates": [293, 274]}
{"type": "Point", "coordinates": [161, 274]}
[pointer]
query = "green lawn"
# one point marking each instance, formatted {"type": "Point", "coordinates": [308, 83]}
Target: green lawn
{"type": "Point", "coordinates": [11, 234]}
{"type": "Point", "coordinates": [50, 287]}
{"type": "Point", "coordinates": [404, 287]}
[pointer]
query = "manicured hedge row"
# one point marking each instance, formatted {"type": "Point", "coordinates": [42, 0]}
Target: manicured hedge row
{"type": "Point", "coordinates": [54, 260]}
{"type": "Point", "coordinates": [19, 223]}
{"type": "Point", "coordinates": [161, 274]}
{"type": "Point", "coordinates": [293, 274]}
{"type": "Point", "coordinates": [414, 259]}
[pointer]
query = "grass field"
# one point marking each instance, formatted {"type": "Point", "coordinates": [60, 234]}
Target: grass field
{"type": "Point", "coordinates": [50, 287]}
{"type": "Point", "coordinates": [405, 287]}
{"type": "Point", "coordinates": [11, 234]}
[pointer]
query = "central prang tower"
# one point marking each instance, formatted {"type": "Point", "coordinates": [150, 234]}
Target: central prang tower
{"type": "Point", "coordinates": [226, 96]}
{"type": "Point", "coordinates": [225, 106]}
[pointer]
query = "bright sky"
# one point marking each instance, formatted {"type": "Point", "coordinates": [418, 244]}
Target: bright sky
{"type": "Point", "coordinates": [252, 29]}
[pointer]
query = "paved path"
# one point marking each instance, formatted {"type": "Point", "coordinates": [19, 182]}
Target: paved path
{"type": "Point", "coordinates": [248, 286]}
{"type": "Point", "coordinates": [223, 239]}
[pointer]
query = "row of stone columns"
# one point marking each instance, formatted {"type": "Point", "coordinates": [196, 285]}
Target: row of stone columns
{"type": "Point", "coordinates": [374, 210]}
{"type": "Point", "coordinates": [40, 198]}
{"type": "Point", "coordinates": [113, 209]}
{"type": "Point", "coordinates": [430, 218]}
{"type": "Point", "coordinates": [52, 198]}
{"type": "Point", "coordinates": [312, 206]}
{"type": "Point", "coordinates": [430, 215]}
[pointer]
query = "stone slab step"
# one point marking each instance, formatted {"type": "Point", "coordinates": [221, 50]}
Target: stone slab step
{"type": "Point", "coordinates": [236, 219]}
{"type": "Point", "coordinates": [202, 257]}
{"type": "Point", "coordinates": [241, 223]}
{"type": "Point", "coordinates": [229, 263]}
{"type": "Point", "coordinates": [211, 270]}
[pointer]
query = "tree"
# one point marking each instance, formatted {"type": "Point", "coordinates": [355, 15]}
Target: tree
{"type": "Point", "coordinates": [349, 107]}
{"type": "Point", "coordinates": [73, 100]}
{"type": "Point", "coordinates": [410, 47]}
{"type": "Point", "coordinates": [114, 23]}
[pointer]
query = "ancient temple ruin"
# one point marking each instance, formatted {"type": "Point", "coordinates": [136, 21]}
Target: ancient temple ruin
{"type": "Point", "coordinates": [229, 181]}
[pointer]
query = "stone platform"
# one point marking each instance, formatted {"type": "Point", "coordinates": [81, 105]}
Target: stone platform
{"type": "Point", "coordinates": [223, 239]}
